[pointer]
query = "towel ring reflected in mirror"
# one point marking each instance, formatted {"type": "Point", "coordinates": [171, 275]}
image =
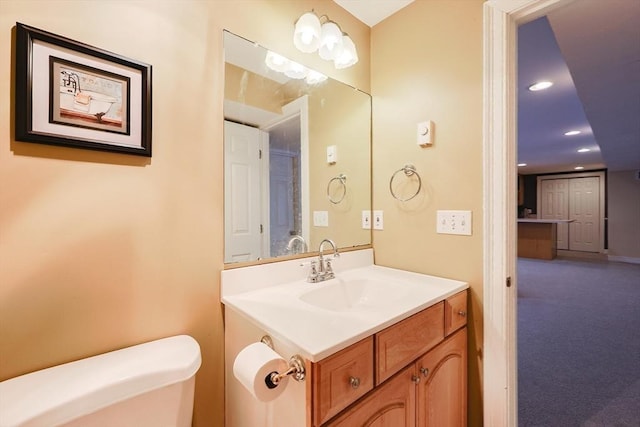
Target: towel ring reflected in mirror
{"type": "Point", "coordinates": [409, 171]}
{"type": "Point", "coordinates": [341, 184]}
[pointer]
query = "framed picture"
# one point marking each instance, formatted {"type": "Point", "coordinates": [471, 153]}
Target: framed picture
{"type": "Point", "coordinates": [71, 94]}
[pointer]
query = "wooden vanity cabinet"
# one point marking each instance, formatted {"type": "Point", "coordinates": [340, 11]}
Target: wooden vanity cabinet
{"type": "Point", "coordinates": [420, 365]}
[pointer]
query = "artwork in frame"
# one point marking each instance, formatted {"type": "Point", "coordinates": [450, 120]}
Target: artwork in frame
{"type": "Point", "coordinates": [72, 94]}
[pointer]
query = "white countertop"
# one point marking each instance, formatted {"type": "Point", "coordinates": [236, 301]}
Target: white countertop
{"type": "Point", "coordinates": [318, 332]}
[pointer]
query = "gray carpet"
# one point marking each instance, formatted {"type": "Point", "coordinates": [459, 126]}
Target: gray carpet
{"type": "Point", "coordinates": [578, 343]}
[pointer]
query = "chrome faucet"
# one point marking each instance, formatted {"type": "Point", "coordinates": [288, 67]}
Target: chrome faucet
{"type": "Point", "coordinates": [300, 240]}
{"type": "Point", "coordinates": [324, 270]}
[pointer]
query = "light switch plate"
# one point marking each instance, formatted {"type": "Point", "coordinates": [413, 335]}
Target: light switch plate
{"type": "Point", "coordinates": [378, 220]}
{"type": "Point", "coordinates": [454, 222]}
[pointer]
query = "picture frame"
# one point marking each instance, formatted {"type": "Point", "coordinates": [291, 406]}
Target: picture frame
{"type": "Point", "coordinates": [71, 94]}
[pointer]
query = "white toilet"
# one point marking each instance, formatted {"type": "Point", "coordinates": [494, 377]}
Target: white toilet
{"type": "Point", "coordinates": [147, 385]}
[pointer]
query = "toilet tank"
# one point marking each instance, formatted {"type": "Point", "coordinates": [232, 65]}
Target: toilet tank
{"type": "Point", "coordinates": [147, 385]}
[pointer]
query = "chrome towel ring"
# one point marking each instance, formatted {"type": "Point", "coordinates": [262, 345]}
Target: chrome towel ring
{"type": "Point", "coordinates": [409, 171]}
{"type": "Point", "coordinates": [342, 180]}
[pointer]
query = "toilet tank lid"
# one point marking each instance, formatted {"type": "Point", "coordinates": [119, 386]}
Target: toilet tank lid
{"type": "Point", "coordinates": [65, 392]}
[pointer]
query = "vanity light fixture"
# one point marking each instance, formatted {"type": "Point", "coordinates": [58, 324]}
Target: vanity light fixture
{"type": "Point", "coordinates": [572, 132]}
{"type": "Point", "coordinates": [332, 44]}
{"type": "Point", "coordinates": [522, 164]}
{"type": "Point", "coordinates": [579, 168]}
{"type": "Point", "coordinates": [584, 150]}
{"type": "Point", "coordinates": [292, 69]}
{"type": "Point", "coordinates": [540, 86]}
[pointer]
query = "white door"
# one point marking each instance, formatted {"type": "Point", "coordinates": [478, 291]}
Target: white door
{"type": "Point", "coordinates": [555, 205]}
{"type": "Point", "coordinates": [242, 189]}
{"type": "Point", "coordinates": [584, 209]}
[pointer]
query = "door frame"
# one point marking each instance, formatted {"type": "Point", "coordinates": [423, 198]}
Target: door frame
{"type": "Point", "coordinates": [601, 201]}
{"type": "Point", "coordinates": [500, 107]}
{"type": "Point", "coordinates": [299, 107]}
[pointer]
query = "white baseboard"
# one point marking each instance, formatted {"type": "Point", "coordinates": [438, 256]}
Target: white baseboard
{"type": "Point", "coordinates": [628, 259]}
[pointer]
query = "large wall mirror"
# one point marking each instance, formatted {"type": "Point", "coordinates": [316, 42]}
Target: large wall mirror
{"type": "Point", "coordinates": [297, 156]}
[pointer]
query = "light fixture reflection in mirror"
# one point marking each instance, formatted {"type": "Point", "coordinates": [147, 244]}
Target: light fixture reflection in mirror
{"type": "Point", "coordinates": [277, 130]}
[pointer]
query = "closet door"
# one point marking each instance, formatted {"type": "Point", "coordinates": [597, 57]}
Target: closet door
{"type": "Point", "coordinates": [584, 209]}
{"type": "Point", "coordinates": [555, 205]}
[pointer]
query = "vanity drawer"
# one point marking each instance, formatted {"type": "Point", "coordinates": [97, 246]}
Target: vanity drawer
{"type": "Point", "coordinates": [400, 344]}
{"type": "Point", "coordinates": [455, 312]}
{"type": "Point", "coordinates": [341, 379]}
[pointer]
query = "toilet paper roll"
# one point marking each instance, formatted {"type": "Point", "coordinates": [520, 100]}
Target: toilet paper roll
{"type": "Point", "coordinates": [252, 367]}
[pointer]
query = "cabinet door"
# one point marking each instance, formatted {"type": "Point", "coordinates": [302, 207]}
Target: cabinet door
{"type": "Point", "coordinates": [389, 405]}
{"type": "Point", "coordinates": [442, 391]}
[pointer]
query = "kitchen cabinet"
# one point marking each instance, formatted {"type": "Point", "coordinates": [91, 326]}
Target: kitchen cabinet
{"type": "Point", "coordinates": [420, 374]}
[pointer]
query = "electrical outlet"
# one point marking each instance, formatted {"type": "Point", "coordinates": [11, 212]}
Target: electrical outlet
{"type": "Point", "coordinates": [366, 220]}
{"type": "Point", "coordinates": [454, 222]}
{"type": "Point", "coordinates": [320, 218]}
{"type": "Point", "coordinates": [378, 220]}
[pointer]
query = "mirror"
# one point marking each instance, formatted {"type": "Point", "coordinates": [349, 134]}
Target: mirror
{"type": "Point", "coordinates": [297, 156]}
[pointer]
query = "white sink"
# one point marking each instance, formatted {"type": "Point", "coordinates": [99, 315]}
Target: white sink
{"type": "Point", "coordinates": [319, 319]}
{"type": "Point", "coordinates": [354, 295]}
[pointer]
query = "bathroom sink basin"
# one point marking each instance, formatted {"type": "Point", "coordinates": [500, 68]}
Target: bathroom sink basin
{"type": "Point", "coordinates": [354, 295]}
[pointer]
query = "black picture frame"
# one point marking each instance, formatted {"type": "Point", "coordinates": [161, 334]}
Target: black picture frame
{"type": "Point", "coordinates": [71, 94]}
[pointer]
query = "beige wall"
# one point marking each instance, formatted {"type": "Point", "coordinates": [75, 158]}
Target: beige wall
{"type": "Point", "coordinates": [427, 65]}
{"type": "Point", "coordinates": [99, 250]}
{"type": "Point", "coordinates": [623, 193]}
{"type": "Point", "coordinates": [340, 116]}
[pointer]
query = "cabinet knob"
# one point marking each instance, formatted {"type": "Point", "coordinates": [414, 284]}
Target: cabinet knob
{"type": "Point", "coordinates": [424, 372]}
{"type": "Point", "coordinates": [462, 313]}
{"type": "Point", "coordinates": [415, 379]}
{"type": "Point", "coordinates": [354, 381]}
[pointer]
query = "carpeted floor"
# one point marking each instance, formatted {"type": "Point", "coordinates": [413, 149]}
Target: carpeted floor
{"type": "Point", "coordinates": [578, 343]}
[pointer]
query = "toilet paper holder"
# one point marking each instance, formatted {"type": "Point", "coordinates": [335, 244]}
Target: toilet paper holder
{"type": "Point", "coordinates": [296, 367]}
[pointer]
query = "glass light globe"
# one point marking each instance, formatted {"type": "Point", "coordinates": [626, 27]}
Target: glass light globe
{"type": "Point", "coordinates": [349, 55]}
{"type": "Point", "coordinates": [296, 71]}
{"type": "Point", "coordinates": [330, 41]}
{"type": "Point", "coordinates": [276, 62]}
{"type": "Point", "coordinates": [306, 35]}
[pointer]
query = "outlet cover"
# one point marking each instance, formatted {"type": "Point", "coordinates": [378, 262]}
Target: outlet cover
{"type": "Point", "coordinates": [366, 220]}
{"type": "Point", "coordinates": [378, 220]}
{"type": "Point", "coordinates": [454, 222]}
{"type": "Point", "coordinates": [320, 218]}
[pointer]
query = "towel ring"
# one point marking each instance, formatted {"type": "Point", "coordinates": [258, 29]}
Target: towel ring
{"type": "Point", "coordinates": [342, 178]}
{"type": "Point", "coordinates": [409, 170]}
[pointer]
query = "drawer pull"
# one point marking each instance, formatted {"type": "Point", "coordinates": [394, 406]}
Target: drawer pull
{"type": "Point", "coordinates": [355, 382]}
{"type": "Point", "coordinates": [424, 372]}
{"type": "Point", "coordinates": [462, 313]}
{"type": "Point", "coordinates": [415, 379]}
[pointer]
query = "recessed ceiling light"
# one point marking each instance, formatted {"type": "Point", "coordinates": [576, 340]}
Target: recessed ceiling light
{"type": "Point", "coordinates": [584, 150]}
{"type": "Point", "coordinates": [522, 164]}
{"type": "Point", "coordinates": [578, 168]}
{"type": "Point", "coordinates": [572, 132]}
{"type": "Point", "coordinates": [540, 86]}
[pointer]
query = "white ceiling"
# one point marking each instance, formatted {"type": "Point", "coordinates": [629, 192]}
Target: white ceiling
{"type": "Point", "coordinates": [372, 11]}
{"type": "Point", "coordinates": [591, 49]}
